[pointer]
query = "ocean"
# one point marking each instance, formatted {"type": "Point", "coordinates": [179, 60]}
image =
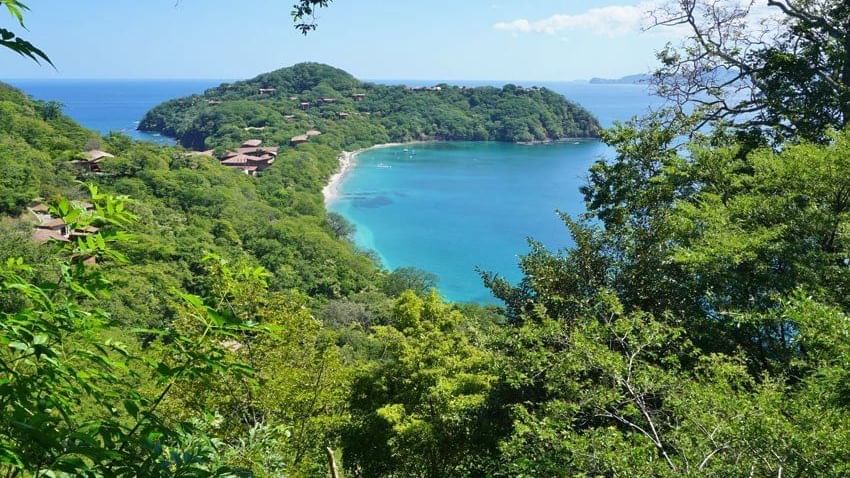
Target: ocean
{"type": "Point", "coordinates": [450, 208]}
{"type": "Point", "coordinates": [112, 105]}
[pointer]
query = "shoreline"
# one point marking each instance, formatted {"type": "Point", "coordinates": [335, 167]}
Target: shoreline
{"type": "Point", "coordinates": [347, 162]}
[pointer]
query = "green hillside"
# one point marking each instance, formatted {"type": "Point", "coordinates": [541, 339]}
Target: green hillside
{"type": "Point", "coordinates": [270, 105]}
{"type": "Point", "coordinates": [208, 323]}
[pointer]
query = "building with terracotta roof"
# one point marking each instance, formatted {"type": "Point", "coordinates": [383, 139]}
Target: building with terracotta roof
{"type": "Point", "coordinates": [251, 157]}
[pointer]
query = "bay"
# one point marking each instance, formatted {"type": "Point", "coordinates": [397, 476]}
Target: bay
{"type": "Point", "coordinates": [459, 207]}
{"type": "Point", "coordinates": [454, 208]}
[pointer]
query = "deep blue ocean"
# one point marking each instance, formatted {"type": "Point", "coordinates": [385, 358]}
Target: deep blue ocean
{"type": "Point", "coordinates": [112, 105]}
{"type": "Point", "coordinates": [448, 208]}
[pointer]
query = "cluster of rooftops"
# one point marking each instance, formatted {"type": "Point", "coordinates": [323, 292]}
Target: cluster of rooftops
{"type": "Point", "coordinates": [251, 157]}
{"type": "Point", "coordinates": [51, 228]}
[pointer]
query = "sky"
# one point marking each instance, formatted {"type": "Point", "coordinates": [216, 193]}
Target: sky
{"type": "Point", "coordinates": [522, 40]}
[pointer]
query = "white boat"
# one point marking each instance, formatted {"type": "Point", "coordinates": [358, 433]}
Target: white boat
{"type": "Point", "coordinates": [384, 166]}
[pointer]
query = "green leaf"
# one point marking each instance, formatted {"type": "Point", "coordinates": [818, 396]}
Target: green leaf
{"type": "Point", "coordinates": [132, 408]}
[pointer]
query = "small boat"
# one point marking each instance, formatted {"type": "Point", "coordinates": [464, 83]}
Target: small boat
{"type": "Point", "coordinates": [576, 142]}
{"type": "Point", "coordinates": [384, 166]}
{"type": "Point", "coordinates": [406, 150]}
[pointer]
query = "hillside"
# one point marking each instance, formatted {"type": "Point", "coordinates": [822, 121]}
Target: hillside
{"type": "Point", "coordinates": [213, 324]}
{"type": "Point", "coordinates": [279, 105]}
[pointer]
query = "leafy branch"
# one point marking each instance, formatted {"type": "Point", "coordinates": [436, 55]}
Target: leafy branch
{"type": "Point", "coordinates": [11, 41]}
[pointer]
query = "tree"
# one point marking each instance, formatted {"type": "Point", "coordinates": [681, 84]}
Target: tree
{"type": "Point", "coordinates": [409, 278]}
{"type": "Point", "coordinates": [76, 400]}
{"type": "Point", "coordinates": [783, 68]}
{"type": "Point", "coordinates": [419, 406]}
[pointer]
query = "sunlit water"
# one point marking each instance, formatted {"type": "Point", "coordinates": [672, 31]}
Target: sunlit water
{"type": "Point", "coordinates": [455, 208]}
{"type": "Point", "coordinates": [449, 209]}
{"type": "Point", "coordinates": [112, 105]}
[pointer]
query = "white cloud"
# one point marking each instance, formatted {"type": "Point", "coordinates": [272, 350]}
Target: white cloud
{"type": "Point", "coordinates": [612, 21]}
{"type": "Point", "coordinates": [619, 20]}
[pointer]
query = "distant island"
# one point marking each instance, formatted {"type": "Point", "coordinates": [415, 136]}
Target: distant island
{"type": "Point", "coordinates": [638, 79]}
{"type": "Point", "coordinates": [280, 107]}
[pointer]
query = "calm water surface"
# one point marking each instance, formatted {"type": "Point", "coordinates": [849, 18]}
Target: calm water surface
{"type": "Point", "coordinates": [452, 208]}
{"type": "Point", "coordinates": [112, 105]}
{"type": "Point", "coordinates": [448, 209]}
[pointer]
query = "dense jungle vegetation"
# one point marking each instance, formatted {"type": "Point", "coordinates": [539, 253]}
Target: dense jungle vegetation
{"type": "Point", "coordinates": [221, 115]}
{"type": "Point", "coordinates": [699, 327]}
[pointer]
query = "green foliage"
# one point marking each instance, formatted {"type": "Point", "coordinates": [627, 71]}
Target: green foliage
{"type": "Point", "coordinates": [68, 390]}
{"type": "Point", "coordinates": [419, 400]}
{"type": "Point", "coordinates": [409, 278]}
{"type": "Point", "coordinates": [698, 326]}
{"type": "Point", "coordinates": [221, 115]}
{"type": "Point", "coordinates": [17, 44]}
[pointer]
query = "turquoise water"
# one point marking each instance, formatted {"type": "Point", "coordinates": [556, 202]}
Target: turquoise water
{"type": "Point", "coordinates": [455, 207]}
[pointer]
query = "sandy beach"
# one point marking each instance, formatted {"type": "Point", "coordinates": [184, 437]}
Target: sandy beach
{"type": "Point", "coordinates": [347, 161]}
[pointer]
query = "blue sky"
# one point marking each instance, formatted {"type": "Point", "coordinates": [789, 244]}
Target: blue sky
{"type": "Point", "coordinates": [543, 40]}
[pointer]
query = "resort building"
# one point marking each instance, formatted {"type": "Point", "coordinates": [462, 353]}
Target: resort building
{"type": "Point", "coordinates": [342, 115]}
{"type": "Point", "coordinates": [251, 157]}
{"type": "Point", "coordinates": [91, 160]}
{"type": "Point", "coordinates": [359, 96]}
{"type": "Point", "coordinates": [267, 91]}
{"type": "Point", "coordinates": [305, 105]}
{"type": "Point", "coordinates": [48, 228]}
{"type": "Point", "coordinates": [326, 100]}
{"type": "Point", "coordinates": [313, 132]}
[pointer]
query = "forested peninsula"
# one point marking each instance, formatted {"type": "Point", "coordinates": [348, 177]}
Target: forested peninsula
{"type": "Point", "coordinates": [283, 104]}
